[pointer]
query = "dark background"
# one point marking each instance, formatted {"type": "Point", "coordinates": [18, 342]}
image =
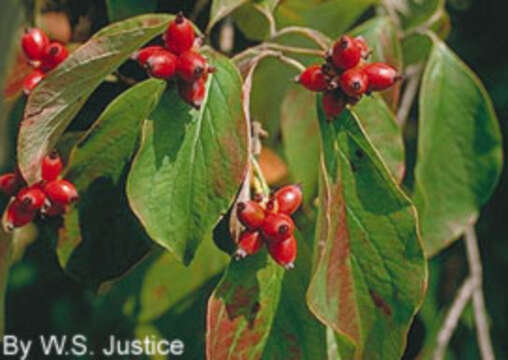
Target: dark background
{"type": "Point", "coordinates": [41, 300]}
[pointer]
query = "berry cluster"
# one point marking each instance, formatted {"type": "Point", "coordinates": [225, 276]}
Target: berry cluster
{"type": "Point", "coordinates": [180, 58]}
{"type": "Point", "coordinates": [270, 224]}
{"type": "Point", "coordinates": [43, 54]}
{"type": "Point", "coordinates": [346, 76]}
{"type": "Point", "coordinates": [51, 196]}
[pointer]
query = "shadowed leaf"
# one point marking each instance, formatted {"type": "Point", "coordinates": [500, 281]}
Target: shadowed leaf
{"type": "Point", "coordinates": [101, 238]}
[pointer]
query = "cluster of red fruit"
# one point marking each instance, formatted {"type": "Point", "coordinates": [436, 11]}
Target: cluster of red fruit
{"type": "Point", "coordinates": [270, 224]}
{"type": "Point", "coordinates": [51, 196]}
{"type": "Point", "coordinates": [179, 57]}
{"type": "Point", "coordinates": [346, 77]}
{"type": "Point", "coordinates": [42, 54]}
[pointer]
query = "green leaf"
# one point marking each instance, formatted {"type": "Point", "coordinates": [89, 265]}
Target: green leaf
{"type": "Point", "coordinates": [382, 37]}
{"type": "Point", "coordinates": [421, 12]}
{"type": "Point", "coordinates": [191, 163]}
{"type": "Point", "coordinates": [221, 9]}
{"type": "Point", "coordinates": [370, 273]}
{"type": "Point", "coordinates": [300, 133]}
{"type": "Point", "coordinates": [123, 9]}
{"type": "Point", "coordinates": [331, 17]}
{"type": "Point", "coordinates": [242, 308]}
{"type": "Point", "coordinates": [459, 157]}
{"type": "Point", "coordinates": [101, 238]}
{"type": "Point", "coordinates": [253, 18]}
{"type": "Point", "coordinates": [53, 105]}
{"type": "Point", "coordinates": [416, 49]}
{"type": "Point", "coordinates": [381, 128]}
{"type": "Point", "coordinates": [296, 333]}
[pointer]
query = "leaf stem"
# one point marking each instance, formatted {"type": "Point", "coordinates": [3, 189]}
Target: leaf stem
{"type": "Point", "coordinates": [262, 186]}
{"type": "Point", "coordinates": [413, 75]}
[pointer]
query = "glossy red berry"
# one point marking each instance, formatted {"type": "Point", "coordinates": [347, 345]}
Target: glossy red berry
{"type": "Point", "coordinates": [9, 184]}
{"type": "Point", "coordinates": [51, 167]}
{"type": "Point", "coordinates": [179, 36]}
{"type": "Point", "coordinates": [249, 243]}
{"type": "Point", "coordinates": [191, 66]}
{"type": "Point", "coordinates": [278, 227]}
{"type": "Point", "coordinates": [284, 252]}
{"type": "Point", "coordinates": [61, 192]}
{"type": "Point", "coordinates": [31, 81]}
{"type": "Point", "coordinates": [193, 93]}
{"type": "Point", "coordinates": [54, 54]}
{"type": "Point", "coordinates": [333, 103]}
{"type": "Point", "coordinates": [289, 198]}
{"type": "Point", "coordinates": [250, 214]}
{"type": "Point", "coordinates": [346, 53]}
{"type": "Point", "coordinates": [313, 78]}
{"type": "Point", "coordinates": [364, 47]}
{"type": "Point", "coordinates": [142, 55]}
{"type": "Point", "coordinates": [381, 76]}
{"type": "Point", "coordinates": [31, 198]}
{"type": "Point", "coordinates": [17, 215]}
{"type": "Point", "coordinates": [33, 42]}
{"type": "Point", "coordinates": [162, 65]}
{"type": "Point", "coordinates": [354, 82]}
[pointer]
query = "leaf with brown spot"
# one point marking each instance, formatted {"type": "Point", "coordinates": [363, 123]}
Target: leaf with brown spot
{"type": "Point", "coordinates": [370, 272]}
{"type": "Point", "coordinates": [242, 308]}
{"type": "Point", "coordinates": [54, 103]}
{"type": "Point", "coordinates": [191, 163]}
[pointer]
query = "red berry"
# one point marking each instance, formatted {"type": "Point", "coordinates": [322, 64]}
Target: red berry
{"type": "Point", "coordinates": [32, 80]}
{"type": "Point", "coordinates": [61, 192]}
{"type": "Point", "coordinates": [333, 103]}
{"type": "Point", "coordinates": [31, 198]}
{"type": "Point", "coordinates": [142, 55]}
{"type": "Point", "coordinates": [364, 47]}
{"type": "Point", "coordinates": [284, 252]}
{"type": "Point", "coordinates": [54, 54]}
{"type": "Point", "coordinates": [381, 76]}
{"type": "Point", "coordinates": [33, 42]}
{"type": "Point", "coordinates": [289, 198]}
{"type": "Point", "coordinates": [346, 53]}
{"type": "Point", "coordinates": [10, 184]}
{"type": "Point", "coordinates": [191, 66]}
{"type": "Point", "coordinates": [162, 64]}
{"type": "Point", "coordinates": [354, 82]}
{"type": "Point", "coordinates": [250, 242]}
{"type": "Point", "coordinates": [250, 214]}
{"type": "Point", "coordinates": [313, 78]}
{"type": "Point", "coordinates": [17, 215]}
{"type": "Point", "coordinates": [193, 93]}
{"type": "Point", "coordinates": [278, 227]}
{"type": "Point", "coordinates": [52, 166]}
{"type": "Point", "coordinates": [179, 36]}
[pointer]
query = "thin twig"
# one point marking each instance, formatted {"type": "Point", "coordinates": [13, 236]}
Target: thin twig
{"type": "Point", "coordinates": [452, 318]}
{"type": "Point", "coordinates": [480, 311]}
{"type": "Point", "coordinates": [413, 75]}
